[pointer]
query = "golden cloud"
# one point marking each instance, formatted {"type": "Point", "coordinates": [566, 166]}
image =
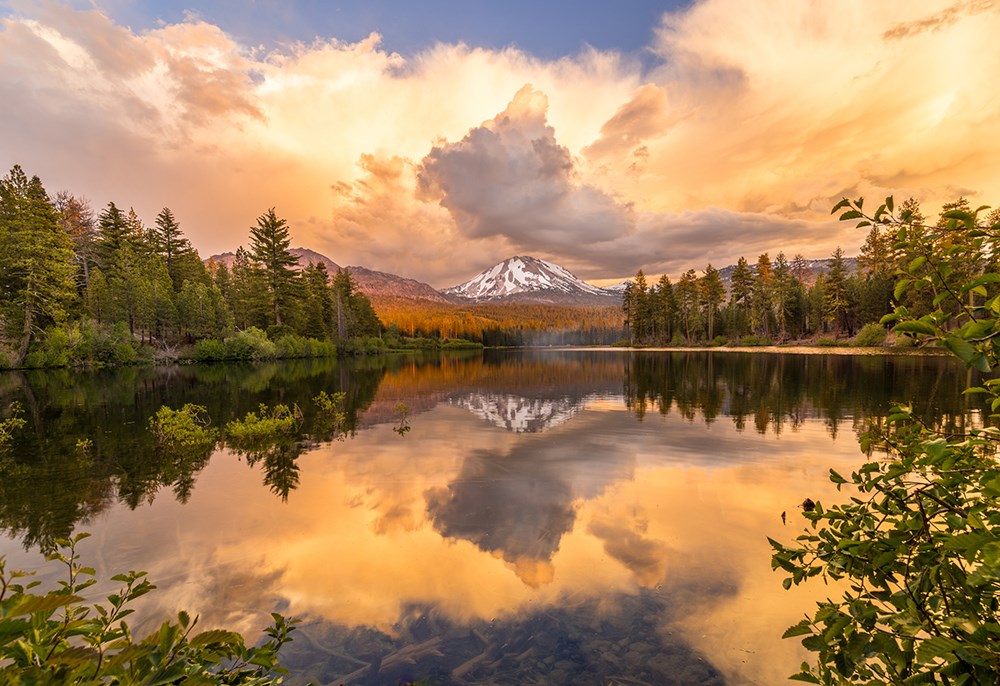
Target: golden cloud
{"type": "Point", "coordinates": [761, 113]}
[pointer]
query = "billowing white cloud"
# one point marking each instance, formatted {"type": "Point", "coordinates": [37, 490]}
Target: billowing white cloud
{"type": "Point", "coordinates": [511, 178]}
{"type": "Point", "coordinates": [758, 118]}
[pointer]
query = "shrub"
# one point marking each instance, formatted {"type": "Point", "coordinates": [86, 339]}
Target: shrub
{"type": "Point", "coordinates": [754, 340]}
{"type": "Point", "coordinates": [869, 336]}
{"type": "Point", "coordinates": [264, 425]}
{"type": "Point", "coordinates": [209, 350]}
{"type": "Point", "coordinates": [183, 428]}
{"type": "Point", "coordinates": [291, 345]}
{"type": "Point", "coordinates": [60, 638]}
{"type": "Point", "coordinates": [250, 344]}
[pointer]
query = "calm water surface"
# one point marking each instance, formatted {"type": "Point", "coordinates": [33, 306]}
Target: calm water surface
{"type": "Point", "coordinates": [528, 517]}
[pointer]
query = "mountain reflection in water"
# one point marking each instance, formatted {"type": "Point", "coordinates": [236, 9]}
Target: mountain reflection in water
{"type": "Point", "coordinates": [551, 517]}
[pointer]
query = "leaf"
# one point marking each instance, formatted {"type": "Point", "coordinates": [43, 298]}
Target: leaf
{"type": "Point", "coordinates": [29, 605]}
{"type": "Point", "coordinates": [916, 263]}
{"type": "Point", "coordinates": [800, 629]}
{"type": "Point", "coordinates": [960, 348]}
{"type": "Point", "coordinates": [837, 478]}
{"type": "Point", "coordinates": [212, 637]}
{"type": "Point", "coordinates": [935, 647]}
{"type": "Point", "coordinates": [990, 277]}
{"type": "Point", "coordinates": [844, 202]}
{"type": "Point", "coordinates": [851, 214]}
{"type": "Point", "coordinates": [889, 203]}
{"type": "Point", "coordinates": [914, 326]}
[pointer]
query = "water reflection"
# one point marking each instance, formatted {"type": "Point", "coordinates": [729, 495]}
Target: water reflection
{"type": "Point", "coordinates": [622, 542]}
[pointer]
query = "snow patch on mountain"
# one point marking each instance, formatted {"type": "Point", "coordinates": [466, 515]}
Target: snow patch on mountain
{"type": "Point", "coordinates": [523, 275]}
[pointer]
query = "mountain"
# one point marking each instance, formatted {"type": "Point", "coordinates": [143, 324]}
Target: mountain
{"type": "Point", "coordinates": [306, 257]}
{"type": "Point", "coordinates": [380, 285]}
{"type": "Point", "coordinates": [617, 288]}
{"type": "Point", "coordinates": [528, 279]}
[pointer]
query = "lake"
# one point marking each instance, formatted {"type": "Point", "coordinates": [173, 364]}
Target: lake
{"type": "Point", "coordinates": [507, 517]}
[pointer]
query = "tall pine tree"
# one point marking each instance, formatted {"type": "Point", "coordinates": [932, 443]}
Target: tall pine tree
{"type": "Point", "coordinates": [36, 261]}
{"type": "Point", "coordinates": [269, 243]}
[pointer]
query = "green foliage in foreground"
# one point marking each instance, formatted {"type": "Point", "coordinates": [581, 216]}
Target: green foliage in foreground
{"type": "Point", "coordinates": [917, 545]}
{"type": "Point", "coordinates": [59, 638]}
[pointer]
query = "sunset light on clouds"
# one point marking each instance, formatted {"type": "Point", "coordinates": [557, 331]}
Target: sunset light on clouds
{"type": "Point", "coordinates": [731, 132]}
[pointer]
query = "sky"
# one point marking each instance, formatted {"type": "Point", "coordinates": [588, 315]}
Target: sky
{"type": "Point", "coordinates": [435, 139]}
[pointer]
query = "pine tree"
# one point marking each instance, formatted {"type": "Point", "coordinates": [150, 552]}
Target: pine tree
{"type": "Point", "coordinates": [318, 306]}
{"type": "Point", "coordinates": [784, 294]}
{"type": "Point", "coordinates": [713, 294]}
{"type": "Point", "coordinates": [688, 299]}
{"type": "Point", "coordinates": [248, 297]}
{"type": "Point", "coordinates": [740, 292]}
{"type": "Point", "coordinates": [269, 243]}
{"type": "Point", "coordinates": [353, 313]}
{"type": "Point", "coordinates": [640, 307]}
{"type": "Point", "coordinates": [177, 252]}
{"type": "Point", "coordinates": [835, 298]}
{"type": "Point", "coordinates": [665, 308]}
{"type": "Point", "coordinates": [76, 218]}
{"type": "Point", "coordinates": [36, 268]}
{"type": "Point", "coordinates": [762, 298]}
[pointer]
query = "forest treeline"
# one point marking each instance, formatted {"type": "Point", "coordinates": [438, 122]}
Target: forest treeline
{"type": "Point", "coordinates": [78, 285]}
{"type": "Point", "coordinates": [781, 300]}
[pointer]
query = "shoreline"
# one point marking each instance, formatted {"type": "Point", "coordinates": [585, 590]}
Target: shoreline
{"type": "Point", "coordinates": [767, 349]}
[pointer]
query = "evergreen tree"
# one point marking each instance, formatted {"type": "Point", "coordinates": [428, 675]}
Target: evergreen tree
{"type": "Point", "coordinates": [114, 232]}
{"type": "Point", "coordinates": [688, 300]}
{"type": "Point", "coordinates": [318, 305]}
{"type": "Point", "coordinates": [248, 296]}
{"type": "Point", "coordinates": [740, 292]}
{"type": "Point", "coordinates": [269, 243]}
{"type": "Point", "coordinates": [665, 308]}
{"type": "Point", "coordinates": [353, 312]}
{"type": "Point", "coordinates": [640, 307]}
{"type": "Point", "coordinates": [36, 268]}
{"type": "Point", "coordinates": [177, 252]}
{"type": "Point", "coordinates": [762, 298]}
{"type": "Point", "coordinates": [784, 294]}
{"type": "Point", "coordinates": [76, 218]}
{"type": "Point", "coordinates": [835, 298]}
{"type": "Point", "coordinates": [202, 309]}
{"type": "Point", "coordinates": [713, 293]}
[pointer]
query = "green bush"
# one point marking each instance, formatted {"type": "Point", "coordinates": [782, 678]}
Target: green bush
{"type": "Point", "coordinates": [58, 637]}
{"type": "Point", "coordinates": [318, 348]}
{"type": "Point", "coordinates": [459, 344]}
{"type": "Point", "coordinates": [291, 345]}
{"type": "Point", "coordinates": [209, 350]}
{"type": "Point", "coordinates": [250, 344]}
{"type": "Point", "coordinates": [870, 335]}
{"type": "Point", "coordinates": [183, 428]}
{"type": "Point", "coordinates": [754, 340]}
{"type": "Point", "coordinates": [264, 425]}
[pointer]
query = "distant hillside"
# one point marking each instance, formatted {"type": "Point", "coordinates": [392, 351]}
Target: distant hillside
{"type": "Point", "coordinates": [379, 286]}
{"type": "Point", "coordinates": [306, 257]}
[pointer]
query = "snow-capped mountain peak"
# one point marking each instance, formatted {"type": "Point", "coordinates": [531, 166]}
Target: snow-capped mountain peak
{"type": "Point", "coordinates": [523, 275]}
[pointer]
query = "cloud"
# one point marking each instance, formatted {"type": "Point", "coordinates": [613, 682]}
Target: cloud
{"type": "Point", "coordinates": [755, 119]}
{"type": "Point", "coordinates": [511, 178]}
